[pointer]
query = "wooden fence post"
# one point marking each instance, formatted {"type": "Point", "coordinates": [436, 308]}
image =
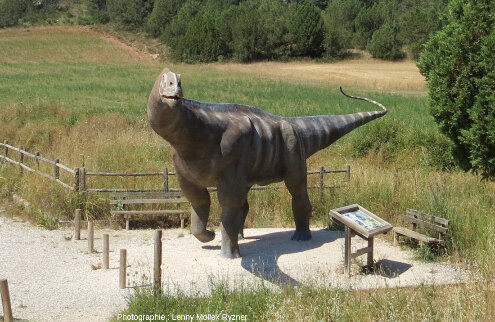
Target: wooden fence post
{"type": "Point", "coordinates": [106, 242]}
{"type": "Point", "coordinates": [82, 180]}
{"type": "Point", "coordinates": [21, 159]}
{"type": "Point", "coordinates": [91, 236]}
{"type": "Point", "coordinates": [157, 267]}
{"type": "Point", "coordinates": [56, 169]}
{"type": "Point", "coordinates": [7, 307]}
{"type": "Point", "coordinates": [77, 224]}
{"type": "Point", "coordinates": [36, 158]}
{"type": "Point", "coordinates": [123, 268]}
{"type": "Point", "coordinates": [165, 180]}
{"type": "Point", "coordinates": [322, 174]}
{"type": "Point", "coordinates": [347, 173]}
{"type": "Point", "coordinates": [6, 148]}
{"type": "Point", "coordinates": [76, 179]}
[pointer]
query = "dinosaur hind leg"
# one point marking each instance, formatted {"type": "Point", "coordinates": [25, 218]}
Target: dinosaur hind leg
{"type": "Point", "coordinates": [200, 203]}
{"type": "Point", "coordinates": [232, 197]}
{"type": "Point", "coordinates": [296, 183]}
{"type": "Point", "coordinates": [245, 210]}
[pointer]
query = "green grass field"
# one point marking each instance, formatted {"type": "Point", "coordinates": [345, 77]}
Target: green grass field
{"type": "Point", "coordinates": [72, 95]}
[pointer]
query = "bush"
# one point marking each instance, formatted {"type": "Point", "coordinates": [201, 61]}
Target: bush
{"type": "Point", "coordinates": [459, 66]}
{"type": "Point", "coordinates": [384, 44]}
{"type": "Point", "coordinates": [387, 135]}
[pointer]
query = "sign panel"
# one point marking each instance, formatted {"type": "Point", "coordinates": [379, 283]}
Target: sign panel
{"type": "Point", "coordinates": [361, 220]}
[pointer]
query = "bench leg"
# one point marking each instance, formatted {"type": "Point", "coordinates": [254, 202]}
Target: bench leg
{"type": "Point", "coordinates": [126, 222]}
{"type": "Point", "coordinates": [396, 238]}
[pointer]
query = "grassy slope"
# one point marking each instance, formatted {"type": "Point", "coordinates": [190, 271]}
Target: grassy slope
{"type": "Point", "coordinates": [75, 96]}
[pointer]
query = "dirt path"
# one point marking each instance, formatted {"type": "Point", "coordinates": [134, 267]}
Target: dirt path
{"type": "Point", "coordinates": [51, 278]}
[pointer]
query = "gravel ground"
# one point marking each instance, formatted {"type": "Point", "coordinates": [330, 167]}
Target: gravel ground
{"type": "Point", "coordinates": [51, 279]}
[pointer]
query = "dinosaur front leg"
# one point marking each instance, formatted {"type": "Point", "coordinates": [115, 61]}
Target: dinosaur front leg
{"type": "Point", "coordinates": [200, 203]}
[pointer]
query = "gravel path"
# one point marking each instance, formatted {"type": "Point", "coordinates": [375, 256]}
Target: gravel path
{"type": "Point", "coordinates": [51, 278]}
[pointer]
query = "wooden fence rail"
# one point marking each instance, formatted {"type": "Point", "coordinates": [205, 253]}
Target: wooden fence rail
{"type": "Point", "coordinates": [166, 174]}
{"type": "Point", "coordinates": [81, 175]}
{"type": "Point", "coordinates": [57, 166]}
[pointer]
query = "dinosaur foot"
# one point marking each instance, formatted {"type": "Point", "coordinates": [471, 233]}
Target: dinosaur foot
{"type": "Point", "coordinates": [205, 236]}
{"type": "Point", "coordinates": [301, 235]}
{"type": "Point", "coordinates": [230, 253]}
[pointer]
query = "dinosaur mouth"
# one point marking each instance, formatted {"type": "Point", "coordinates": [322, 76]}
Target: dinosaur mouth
{"type": "Point", "coordinates": [171, 97]}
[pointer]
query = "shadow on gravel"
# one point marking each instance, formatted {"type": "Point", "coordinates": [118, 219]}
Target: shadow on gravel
{"type": "Point", "coordinates": [260, 256]}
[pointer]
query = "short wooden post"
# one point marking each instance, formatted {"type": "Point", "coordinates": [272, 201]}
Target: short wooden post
{"type": "Point", "coordinates": [106, 250]}
{"type": "Point", "coordinates": [91, 236]}
{"type": "Point", "coordinates": [127, 222]}
{"type": "Point", "coordinates": [157, 267]}
{"type": "Point", "coordinates": [165, 180]}
{"type": "Point", "coordinates": [7, 307]}
{"type": "Point", "coordinates": [56, 169]}
{"type": "Point", "coordinates": [347, 255]}
{"type": "Point", "coordinates": [37, 159]}
{"type": "Point", "coordinates": [347, 172]}
{"type": "Point", "coordinates": [76, 179]}
{"type": "Point", "coordinates": [123, 268]}
{"type": "Point", "coordinates": [77, 224]}
{"type": "Point", "coordinates": [21, 159]}
{"type": "Point", "coordinates": [182, 223]}
{"type": "Point", "coordinates": [370, 252]}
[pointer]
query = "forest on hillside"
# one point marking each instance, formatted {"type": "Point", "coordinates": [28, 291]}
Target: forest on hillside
{"type": "Point", "coordinates": [252, 30]}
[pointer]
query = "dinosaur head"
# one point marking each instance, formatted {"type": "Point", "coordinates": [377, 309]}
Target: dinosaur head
{"type": "Point", "coordinates": [170, 87]}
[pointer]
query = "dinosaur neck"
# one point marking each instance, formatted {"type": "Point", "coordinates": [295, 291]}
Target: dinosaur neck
{"type": "Point", "coordinates": [166, 119]}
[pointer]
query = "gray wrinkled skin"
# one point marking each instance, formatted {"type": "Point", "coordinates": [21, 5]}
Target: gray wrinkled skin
{"type": "Point", "coordinates": [233, 147]}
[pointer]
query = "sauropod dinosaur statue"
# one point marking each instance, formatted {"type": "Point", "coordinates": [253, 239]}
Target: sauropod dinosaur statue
{"type": "Point", "coordinates": [232, 147]}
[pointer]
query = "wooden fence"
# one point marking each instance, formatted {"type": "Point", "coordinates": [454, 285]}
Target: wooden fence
{"type": "Point", "coordinates": [55, 164]}
{"type": "Point", "coordinates": [80, 176]}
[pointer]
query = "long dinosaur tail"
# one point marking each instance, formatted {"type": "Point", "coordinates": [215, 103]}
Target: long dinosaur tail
{"type": "Point", "coordinates": [318, 132]}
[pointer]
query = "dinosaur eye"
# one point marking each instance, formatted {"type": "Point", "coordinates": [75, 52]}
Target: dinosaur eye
{"type": "Point", "coordinates": [171, 83]}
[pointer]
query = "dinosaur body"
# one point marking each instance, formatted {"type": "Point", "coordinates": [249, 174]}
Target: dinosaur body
{"type": "Point", "coordinates": [233, 147]}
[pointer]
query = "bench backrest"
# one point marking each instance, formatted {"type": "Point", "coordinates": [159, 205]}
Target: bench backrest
{"type": "Point", "coordinates": [141, 195]}
{"type": "Point", "coordinates": [416, 217]}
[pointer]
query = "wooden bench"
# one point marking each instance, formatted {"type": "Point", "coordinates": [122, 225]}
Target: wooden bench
{"type": "Point", "coordinates": [124, 204]}
{"type": "Point", "coordinates": [430, 222]}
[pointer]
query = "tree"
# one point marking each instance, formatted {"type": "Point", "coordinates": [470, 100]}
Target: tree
{"type": "Point", "coordinates": [459, 65]}
{"type": "Point", "coordinates": [305, 32]}
{"type": "Point", "coordinates": [128, 13]}
{"type": "Point", "coordinates": [338, 26]}
{"type": "Point", "coordinates": [11, 11]}
{"type": "Point", "coordinates": [384, 43]}
{"type": "Point", "coordinates": [162, 14]}
{"type": "Point", "coordinates": [418, 22]}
